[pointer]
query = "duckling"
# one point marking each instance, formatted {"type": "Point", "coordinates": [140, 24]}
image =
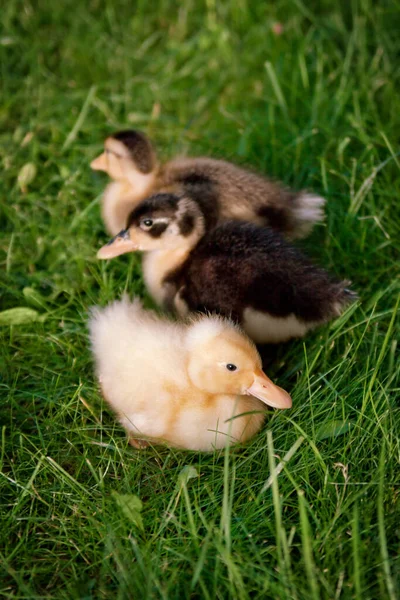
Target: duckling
{"type": "Point", "coordinates": [239, 270]}
{"type": "Point", "coordinates": [237, 193]}
{"type": "Point", "coordinates": [196, 385]}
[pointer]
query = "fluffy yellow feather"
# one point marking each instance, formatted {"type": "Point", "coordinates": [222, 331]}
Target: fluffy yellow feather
{"type": "Point", "coordinates": [197, 385]}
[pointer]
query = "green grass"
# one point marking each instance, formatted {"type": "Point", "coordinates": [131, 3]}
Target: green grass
{"type": "Point", "coordinates": [310, 508]}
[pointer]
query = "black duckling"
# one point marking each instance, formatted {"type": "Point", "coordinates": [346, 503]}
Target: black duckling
{"type": "Point", "coordinates": [130, 160]}
{"type": "Point", "coordinates": [239, 270]}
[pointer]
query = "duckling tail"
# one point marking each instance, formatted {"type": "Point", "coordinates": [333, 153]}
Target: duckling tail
{"type": "Point", "coordinates": [113, 322]}
{"type": "Point", "coordinates": [293, 214]}
{"type": "Point", "coordinates": [307, 210]}
{"type": "Point", "coordinates": [344, 297]}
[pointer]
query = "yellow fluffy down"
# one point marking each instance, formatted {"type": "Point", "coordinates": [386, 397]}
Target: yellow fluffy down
{"type": "Point", "coordinates": [168, 382]}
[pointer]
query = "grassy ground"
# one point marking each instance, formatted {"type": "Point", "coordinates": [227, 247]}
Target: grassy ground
{"type": "Point", "coordinates": [317, 106]}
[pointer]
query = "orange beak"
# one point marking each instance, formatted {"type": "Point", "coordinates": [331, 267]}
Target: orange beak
{"type": "Point", "coordinates": [120, 244]}
{"type": "Point", "coordinates": [269, 393]}
{"type": "Point", "coordinates": [100, 163]}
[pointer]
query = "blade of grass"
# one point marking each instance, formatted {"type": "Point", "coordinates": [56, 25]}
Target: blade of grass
{"type": "Point", "coordinates": [356, 545]}
{"type": "Point", "coordinates": [307, 549]}
{"type": "Point", "coordinates": [281, 538]}
{"type": "Point", "coordinates": [391, 588]}
{"type": "Point", "coordinates": [276, 86]}
{"type": "Point", "coordinates": [277, 470]}
{"type": "Point", "coordinates": [80, 120]}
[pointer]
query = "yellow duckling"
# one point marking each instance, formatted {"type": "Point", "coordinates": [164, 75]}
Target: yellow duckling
{"type": "Point", "coordinates": [232, 191]}
{"type": "Point", "coordinates": [197, 385]}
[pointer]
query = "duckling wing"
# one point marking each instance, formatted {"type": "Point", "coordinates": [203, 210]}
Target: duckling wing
{"type": "Point", "coordinates": [238, 266]}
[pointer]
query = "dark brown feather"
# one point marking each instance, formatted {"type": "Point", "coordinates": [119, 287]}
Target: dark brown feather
{"type": "Point", "coordinates": [240, 265]}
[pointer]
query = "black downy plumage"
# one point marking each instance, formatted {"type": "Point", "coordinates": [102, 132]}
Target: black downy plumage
{"type": "Point", "coordinates": [238, 267]}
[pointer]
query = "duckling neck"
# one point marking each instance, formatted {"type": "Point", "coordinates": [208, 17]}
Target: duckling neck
{"type": "Point", "coordinates": [140, 184]}
{"type": "Point", "coordinates": [157, 266]}
{"type": "Point", "coordinates": [121, 196]}
{"type": "Point", "coordinates": [116, 205]}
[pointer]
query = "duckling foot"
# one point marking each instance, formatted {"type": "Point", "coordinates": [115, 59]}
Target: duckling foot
{"type": "Point", "coordinates": [138, 444]}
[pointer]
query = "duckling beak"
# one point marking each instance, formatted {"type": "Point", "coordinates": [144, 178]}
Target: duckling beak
{"type": "Point", "coordinates": [269, 393]}
{"type": "Point", "coordinates": [99, 163]}
{"type": "Point", "coordinates": [120, 244]}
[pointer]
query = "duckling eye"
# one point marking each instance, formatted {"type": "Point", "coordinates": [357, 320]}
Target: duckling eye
{"type": "Point", "coordinates": [146, 223]}
{"type": "Point", "coordinates": [231, 367]}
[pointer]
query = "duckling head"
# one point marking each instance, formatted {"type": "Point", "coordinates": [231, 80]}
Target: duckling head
{"type": "Point", "coordinates": [164, 221]}
{"type": "Point", "coordinates": [223, 360]}
{"type": "Point", "coordinates": [128, 156]}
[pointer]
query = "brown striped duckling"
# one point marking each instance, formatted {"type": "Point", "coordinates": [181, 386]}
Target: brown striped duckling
{"type": "Point", "coordinates": [236, 269]}
{"type": "Point", "coordinates": [130, 160]}
{"type": "Point", "coordinates": [196, 385]}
